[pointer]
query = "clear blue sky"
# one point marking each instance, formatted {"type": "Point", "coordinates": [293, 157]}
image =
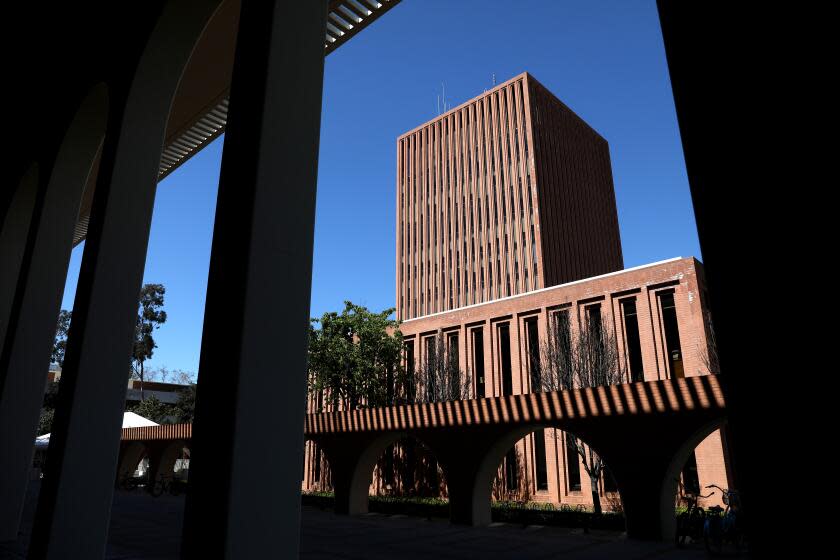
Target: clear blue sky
{"type": "Point", "coordinates": [604, 59]}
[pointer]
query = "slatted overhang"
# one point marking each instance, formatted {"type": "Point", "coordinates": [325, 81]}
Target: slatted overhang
{"type": "Point", "coordinates": [199, 111]}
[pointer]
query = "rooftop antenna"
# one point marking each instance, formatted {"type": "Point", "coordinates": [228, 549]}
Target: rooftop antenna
{"type": "Point", "coordinates": [445, 105]}
{"type": "Point", "coordinates": [494, 79]}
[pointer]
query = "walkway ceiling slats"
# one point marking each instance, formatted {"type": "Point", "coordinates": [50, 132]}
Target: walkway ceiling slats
{"type": "Point", "coordinates": [346, 18]}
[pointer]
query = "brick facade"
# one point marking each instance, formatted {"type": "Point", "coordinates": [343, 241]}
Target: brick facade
{"type": "Point", "coordinates": [507, 193]}
{"type": "Point", "coordinates": [506, 217]}
{"type": "Point", "coordinates": [681, 277]}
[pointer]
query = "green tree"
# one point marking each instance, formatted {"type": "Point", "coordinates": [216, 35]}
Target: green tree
{"type": "Point", "coordinates": [154, 410]}
{"type": "Point", "coordinates": [184, 409]}
{"type": "Point", "coordinates": [60, 342]}
{"type": "Point", "coordinates": [45, 421]}
{"type": "Point", "coordinates": [355, 358]}
{"type": "Point", "coordinates": [150, 316]}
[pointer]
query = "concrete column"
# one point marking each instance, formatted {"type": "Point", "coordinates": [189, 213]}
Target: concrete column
{"type": "Point", "coordinates": [25, 358]}
{"type": "Point", "coordinates": [13, 236]}
{"type": "Point", "coordinates": [244, 498]}
{"type": "Point", "coordinates": [74, 505]}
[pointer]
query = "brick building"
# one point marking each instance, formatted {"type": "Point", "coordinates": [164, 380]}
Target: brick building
{"type": "Point", "coordinates": [507, 193]}
{"type": "Point", "coordinates": [506, 224]}
{"type": "Point", "coordinates": [657, 315]}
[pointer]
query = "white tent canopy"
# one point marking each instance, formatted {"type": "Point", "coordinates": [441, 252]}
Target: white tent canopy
{"type": "Point", "coordinates": [130, 420]}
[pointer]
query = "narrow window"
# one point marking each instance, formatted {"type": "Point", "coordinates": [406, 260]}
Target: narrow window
{"type": "Point", "coordinates": [388, 467]}
{"type": "Point", "coordinates": [672, 334]}
{"type": "Point", "coordinates": [409, 370]}
{"type": "Point", "coordinates": [478, 361]}
{"type": "Point", "coordinates": [511, 470]}
{"type": "Point", "coordinates": [691, 482]}
{"type": "Point", "coordinates": [572, 464]}
{"type": "Point", "coordinates": [631, 333]}
{"type": "Point", "coordinates": [541, 466]}
{"type": "Point", "coordinates": [504, 358]}
{"type": "Point", "coordinates": [317, 454]}
{"type": "Point", "coordinates": [532, 331]}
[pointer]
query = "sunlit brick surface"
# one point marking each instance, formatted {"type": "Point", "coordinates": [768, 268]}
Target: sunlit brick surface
{"type": "Point", "coordinates": [507, 193]}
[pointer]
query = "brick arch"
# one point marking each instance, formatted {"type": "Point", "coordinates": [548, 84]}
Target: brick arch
{"type": "Point", "coordinates": [670, 482]}
{"type": "Point", "coordinates": [162, 459]}
{"type": "Point", "coordinates": [352, 458]}
{"type": "Point", "coordinates": [130, 456]}
{"type": "Point", "coordinates": [472, 481]}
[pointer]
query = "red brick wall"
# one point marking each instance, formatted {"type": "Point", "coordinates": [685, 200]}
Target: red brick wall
{"type": "Point", "coordinates": [684, 276]}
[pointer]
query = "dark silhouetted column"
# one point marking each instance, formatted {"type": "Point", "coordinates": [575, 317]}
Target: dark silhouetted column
{"type": "Point", "coordinates": [25, 359]}
{"type": "Point", "coordinates": [14, 230]}
{"type": "Point", "coordinates": [244, 497]}
{"type": "Point", "coordinates": [75, 500]}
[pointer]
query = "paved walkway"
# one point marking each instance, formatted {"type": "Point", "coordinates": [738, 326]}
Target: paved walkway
{"type": "Point", "coordinates": [149, 528]}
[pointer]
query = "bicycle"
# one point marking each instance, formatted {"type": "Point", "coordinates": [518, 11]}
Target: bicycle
{"type": "Point", "coordinates": [166, 484]}
{"type": "Point", "coordinates": [722, 526]}
{"type": "Point", "coordinates": [130, 482]}
{"type": "Point", "coordinates": [690, 522]}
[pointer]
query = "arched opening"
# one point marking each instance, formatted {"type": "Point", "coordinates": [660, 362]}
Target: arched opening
{"type": "Point", "coordinates": [30, 356]}
{"type": "Point", "coordinates": [317, 475]}
{"type": "Point", "coordinates": [691, 475]}
{"type": "Point", "coordinates": [535, 474]}
{"type": "Point", "coordinates": [133, 466]}
{"type": "Point", "coordinates": [14, 229]}
{"type": "Point", "coordinates": [408, 468]}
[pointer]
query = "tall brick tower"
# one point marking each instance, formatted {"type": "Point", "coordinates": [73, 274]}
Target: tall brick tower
{"type": "Point", "coordinates": [507, 193]}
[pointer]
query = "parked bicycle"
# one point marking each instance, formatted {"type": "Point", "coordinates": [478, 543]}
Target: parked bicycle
{"type": "Point", "coordinates": [130, 482]}
{"type": "Point", "coordinates": [690, 522]}
{"type": "Point", "coordinates": [168, 484]}
{"type": "Point", "coordinates": [722, 527]}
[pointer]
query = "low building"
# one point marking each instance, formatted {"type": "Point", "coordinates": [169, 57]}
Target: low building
{"type": "Point", "coordinates": [655, 313]}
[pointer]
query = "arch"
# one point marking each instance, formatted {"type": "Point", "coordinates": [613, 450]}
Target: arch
{"type": "Point", "coordinates": [482, 484]}
{"type": "Point", "coordinates": [670, 483]}
{"type": "Point", "coordinates": [162, 462]}
{"type": "Point", "coordinates": [25, 355]}
{"type": "Point", "coordinates": [352, 461]}
{"type": "Point", "coordinates": [14, 229]}
{"type": "Point", "coordinates": [358, 475]}
{"type": "Point", "coordinates": [324, 480]}
{"type": "Point", "coordinates": [478, 510]}
{"type": "Point", "coordinates": [110, 279]}
{"type": "Point", "coordinates": [410, 453]}
{"type": "Point", "coordinates": [130, 457]}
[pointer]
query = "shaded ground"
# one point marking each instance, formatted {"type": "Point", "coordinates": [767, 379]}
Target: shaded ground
{"type": "Point", "coordinates": [146, 527]}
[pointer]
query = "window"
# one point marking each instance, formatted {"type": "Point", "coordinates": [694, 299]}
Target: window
{"type": "Point", "coordinates": [540, 465]}
{"type": "Point", "coordinates": [572, 464]}
{"type": "Point", "coordinates": [511, 470]}
{"type": "Point", "coordinates": [533, 351]}
{"type": "Point", "coordinates": [632, 341]}
{"type": "Point", "coordinates": [691, 482]}
{"type": "Point", "coordinates": [478, 361]}
{"type": "Point", "coordinates": [504, 359]}
{"type": "Point", "coordinates": [668, 310]}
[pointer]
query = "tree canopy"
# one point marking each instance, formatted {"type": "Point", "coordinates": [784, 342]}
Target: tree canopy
{"type": "Point", "coordinates": [150, 316]}
{"type": "Point", "coordinates": [355, 358]}
{"type": "Point", "coordinates": [60, 342]}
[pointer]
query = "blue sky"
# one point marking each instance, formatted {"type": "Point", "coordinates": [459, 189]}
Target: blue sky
{"type": "Point", "coordinates": [604, 59]}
